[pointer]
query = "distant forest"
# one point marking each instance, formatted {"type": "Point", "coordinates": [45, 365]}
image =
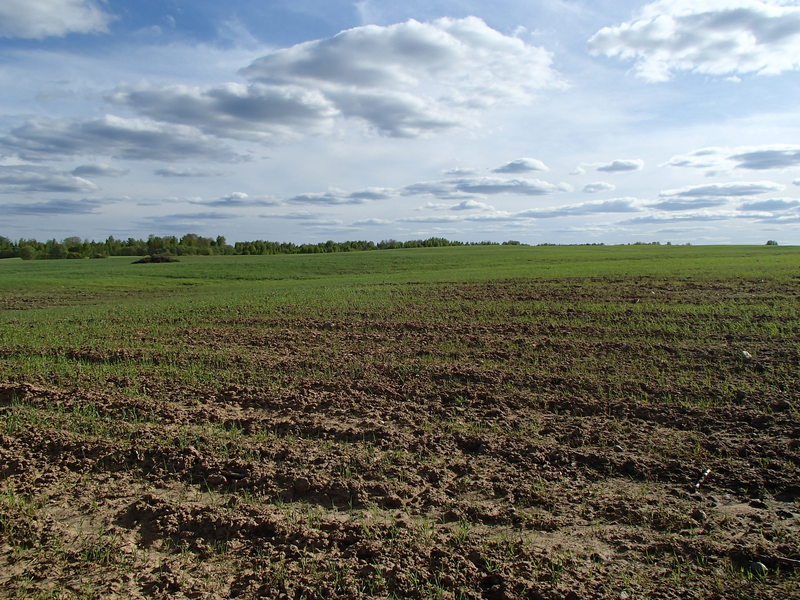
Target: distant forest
{"type": "Point", "coordinates": [192, 244]}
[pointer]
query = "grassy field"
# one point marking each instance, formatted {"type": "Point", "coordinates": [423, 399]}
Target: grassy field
{"type": "Point", "coordinates": [471, 422]}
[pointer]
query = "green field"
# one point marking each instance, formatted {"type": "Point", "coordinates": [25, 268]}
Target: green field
{"type": "Point", "coordinates": [463, 422]}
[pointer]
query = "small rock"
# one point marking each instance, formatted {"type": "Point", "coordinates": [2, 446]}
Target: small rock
{"type": "Point", "coordinates": [216, 479]}
{"type": "Point", "coordinates": [784, 514]}
{"type": "Point", "coordinates": [746, 355]}
{"type": "Point", "coordinates": [758, 569]}
{"type": "Point", "coordinates": [699, 515]}
{"type": "Point", "coordinates": [782, 405]}
{"type": "Point", "coordinates": [619, 448]}
{"type": "Point", "coordinates": [756, 503]}
{"type": "Point", "coordinates": [301, 485]}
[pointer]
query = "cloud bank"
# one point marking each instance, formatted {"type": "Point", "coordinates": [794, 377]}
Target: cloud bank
{"type": "Point", "coordinates": [37, 19]}
{"type": "Point", "coordinates": [26, 178]}
{"type": "Point", "coordinates": [123, 138]}
{"type": "Point", "coordinates": [712, 37]}
{"type": "Point", "coordinates": [404, 80]}
{"type": "Point", "coordinates": [736, 189]}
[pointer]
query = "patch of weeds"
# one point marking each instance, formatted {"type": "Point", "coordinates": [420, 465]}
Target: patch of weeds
{"type": "Point", "coordinates": [461, 533]}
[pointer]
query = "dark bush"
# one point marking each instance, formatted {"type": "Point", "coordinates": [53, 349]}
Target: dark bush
{"type": "Point", "coordinates": [155, 258]}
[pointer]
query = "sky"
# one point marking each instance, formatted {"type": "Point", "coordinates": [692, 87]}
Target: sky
{"type": "Point", "coordinates": [548, 121]}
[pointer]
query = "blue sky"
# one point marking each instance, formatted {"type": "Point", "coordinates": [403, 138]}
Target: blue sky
{"type": "Point", "coordinates": [562, 121]}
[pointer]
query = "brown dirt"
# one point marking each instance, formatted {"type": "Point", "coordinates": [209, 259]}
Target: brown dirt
{"type": "Point", "coordinates": [461, 457]}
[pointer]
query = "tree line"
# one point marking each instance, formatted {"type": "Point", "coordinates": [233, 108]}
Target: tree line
{"type": "Point", "coordinates": [192, 244]}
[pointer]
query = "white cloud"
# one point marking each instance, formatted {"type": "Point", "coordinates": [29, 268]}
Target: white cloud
{"type": "Point", "coordinates": [258, 112]}
{"type": "Point", "coordinates": [411, 78]}
{"type": "Point", "coordinates": [471, 205]}
{"type": "Point", "coordinates": [404, 80]}
{"type": "Point", "coordinates": [774, 205]}
{"type": "Point", "coordinates": [622, 166]}
{"type": "Point", "coordinates": [25, 178]}
{"type": "Point", "coordinates": [737, 189]}
{"type": "Point", "coordinates": [137, 139]}
{"type": "Point", "coordinates": [618, 205]}
{"type": "Point", "coordinates": [796, 182]}
{"type": "Point", "coordinates": [52, 207]}
{"type": "Point", "coordinates": [522, 165]}
{"type": "Point", "coordinates": [598, 186]}
{"type": "Point", "coordinates": [460, 172]}
{"type": "Point", "coordinates": [495, 185]}
{"type": "Point", "coordinates": [703, 158]}
{"type": "Point", "coordinates": [714, 37]}
{"type": "Point", "coordinates": [753, 158]}
{"type": "Point", "coordinates": [680, 204]}
{"type": "Point", "coordinates": [336, 197]}
{"type": "Point", "coordinates": [39, 19]}
{"type": "Point", "coordinates": [775, 157]}
{"type": "Point", "coordinates": [238, 200]}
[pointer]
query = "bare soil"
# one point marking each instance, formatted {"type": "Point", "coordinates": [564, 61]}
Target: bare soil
{"type": "Point", "coordinates": [468, 449]}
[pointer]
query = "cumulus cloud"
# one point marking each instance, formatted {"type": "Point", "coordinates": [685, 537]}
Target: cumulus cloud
{"type": "Point", "coordinates": [99, 170]}
{"type": "Point", "coordinates": [137, 139]}
{"type": "Point", "coordinates": [39, 19]}
{"type": "Point", "coordinates": [622, 166]}
{"type": "Point", "coordinates": [257, 112]}
{"type": "Point", "coordinates": [471, 205]}
{"type": "Point", "coordinates": [735, 189]}
{"type": "Point", "coordinates": [598, 186]}
{"type": "Point", "coordinates": [444, 190]}
{"type": "Point", "coordinates": [187, 172]}
{"type": "Point", "coordinates": [781, 157]}
{"type": "Point", "coordinates": [26, 178]}
{"type": "Point", "coordinates": [464, 187]}
{"type": "Point", "coordinates": [410, 78]}
{"type": "Point", "coordinates": [714, 37]}
{"type": "Point", "coordinates": [51, 207]}
{"type": "Point", "coordinates": [404, 80]}
{"type": "Point", "coordinates": [618, 205]}
{"type": "Point", "coordinates": [374, 193]}
{"type": "Point", "coordinates": [522, 165]}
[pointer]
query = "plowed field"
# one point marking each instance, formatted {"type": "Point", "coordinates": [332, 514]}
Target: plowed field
{"type": "Point", "coordinates": [563, 438]}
